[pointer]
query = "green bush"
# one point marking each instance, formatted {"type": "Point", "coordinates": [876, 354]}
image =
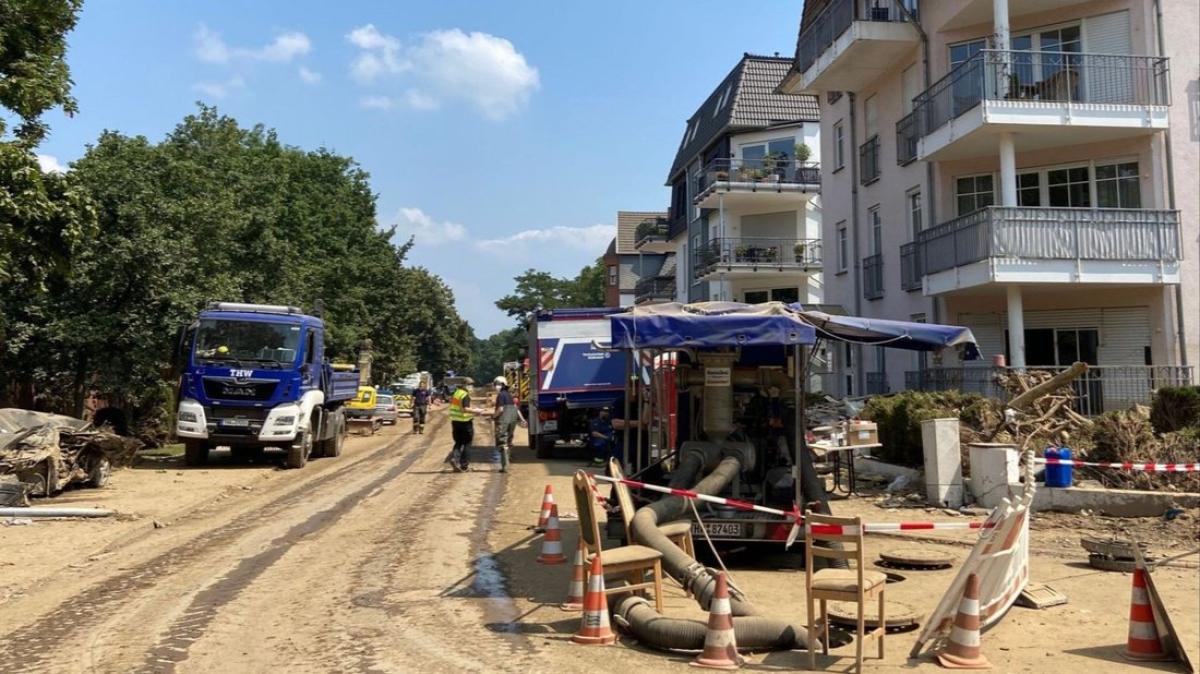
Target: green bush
{"type": "Point", "coordinates": [899, 419]}
{"type": "Point", "coordinates": [1175, 408]}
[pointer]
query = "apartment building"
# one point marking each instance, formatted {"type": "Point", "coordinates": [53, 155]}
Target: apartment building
{"type": "Point", "coordinates": [745, 215]}
{"type": "Point", "coordinates": [636, 274]}
{"type": "Point", "coordinates": [1027, 168]}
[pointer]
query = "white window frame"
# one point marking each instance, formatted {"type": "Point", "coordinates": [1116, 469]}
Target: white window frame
{"type": "Point", "coordinates": [914, 227]}
{"type": "Point", "coordinates": [843, 247]}
{"type": "Point", "coordinates": [995, 187]}
{"type": "Point", "coordinates": [1044, 180]}
{"type": "Point", "coordinates": [875, 222]}
{"type": "Point", "coordinates": [839, 145]}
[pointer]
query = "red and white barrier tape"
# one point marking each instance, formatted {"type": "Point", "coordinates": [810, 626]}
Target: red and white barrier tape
{"type": "Point", "coordinates": [1127, 465]}
{"type": "Point", "coordinates": [796, 516]}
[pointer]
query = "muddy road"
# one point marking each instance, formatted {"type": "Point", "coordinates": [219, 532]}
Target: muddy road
{"type": "Point", "coordinates": [368, 562]}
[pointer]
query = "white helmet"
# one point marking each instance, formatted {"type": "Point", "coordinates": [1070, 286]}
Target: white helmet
{"type": "Point", "coordinates": [500, 380]}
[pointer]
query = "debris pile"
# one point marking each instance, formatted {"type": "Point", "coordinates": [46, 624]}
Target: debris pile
{"type": "Point", "coordinates": [48, 452]}
{"type": "Point", "coordinates": [1040, 410]}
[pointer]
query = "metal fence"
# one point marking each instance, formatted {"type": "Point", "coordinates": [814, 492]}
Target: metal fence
{"type": "Point", "coordinates": [654, 288]}
{"type": "Point", "coordinates": [1055, 77]}
{"type": "Point", "coordinates": [872, 272]}
{"type": "Point", "coordinates": [906, 139]}
{"type": "Point", "coordinates": [756, 253]}
{"type": "Point", "coordinates": [764, 171]}
{"type": "Point", "coordinates": [910, 267]}
{"type": "Point", "coordinates": [868, 160]}
{"type": "Point", "coordinates": [877, 383]}
{"type": "Point", "coordinates": [832, 21]}
{"type": "Point", "coordinates": [1050, 234]}
{"type": "Point", "coordinates": [1104, 388]}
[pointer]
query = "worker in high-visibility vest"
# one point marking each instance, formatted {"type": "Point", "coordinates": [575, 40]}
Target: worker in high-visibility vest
{"type": "Point", "coordinates": [462, 425]}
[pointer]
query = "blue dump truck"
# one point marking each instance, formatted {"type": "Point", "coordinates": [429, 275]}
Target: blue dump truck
{"type": "Point", "coordinates": [256, 377]}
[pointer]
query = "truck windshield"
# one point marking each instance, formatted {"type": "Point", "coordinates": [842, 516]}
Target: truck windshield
{"type": "Point", "coordinates": [247, 342]}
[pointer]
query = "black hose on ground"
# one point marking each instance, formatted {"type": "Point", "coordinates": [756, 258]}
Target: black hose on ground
{"type": "Point", "coordinates": [637, 615]}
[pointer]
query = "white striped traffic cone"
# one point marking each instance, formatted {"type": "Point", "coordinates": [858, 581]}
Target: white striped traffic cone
{"type": "Point", "coordinates": [594, 628]}
{"type": "Point", "coordinates": [552, 550]}
{"type": "Point", "coordinates": [720, 644]}
{"type": "Point", "coordinates": [547, 503]}
{"type": "Point", "coordinates": [963, 649]}
{"type": "Point", "coordinates": [1143, 642]}
{"type": "Point", "coordinates": [575, 589]}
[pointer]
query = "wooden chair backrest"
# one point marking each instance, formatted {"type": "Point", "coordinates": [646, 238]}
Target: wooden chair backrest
{"type": "Point", "coordinates": [585, 502]}
{"type": "Point", "coordinates": [852, 544]}
{"type": "Point", "coordinates": [624, 498]}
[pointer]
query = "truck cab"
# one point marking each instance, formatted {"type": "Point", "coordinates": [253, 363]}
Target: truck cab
{"type": "Point", "coordinates": [256, 378]}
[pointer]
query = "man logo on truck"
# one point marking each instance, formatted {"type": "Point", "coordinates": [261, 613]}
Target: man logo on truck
{"type": "Point", "coordinates": [241, 376]}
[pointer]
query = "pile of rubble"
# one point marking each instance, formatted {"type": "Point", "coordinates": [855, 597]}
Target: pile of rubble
{"type": "Point", "coordinates": [1040, 410]}
{"type": "Point", "coordinates": [41, 454]}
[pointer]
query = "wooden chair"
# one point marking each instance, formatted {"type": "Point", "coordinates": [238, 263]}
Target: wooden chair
{"type": "Point", "coordinates": [679, 533]}
{"type": "Point", "coordinates": [632, 560]}
{"type": "Point", "coordinates": [856, 585]}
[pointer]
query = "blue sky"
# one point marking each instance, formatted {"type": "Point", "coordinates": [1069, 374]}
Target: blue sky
{"type": "Point", "coordinates": [504, 135]}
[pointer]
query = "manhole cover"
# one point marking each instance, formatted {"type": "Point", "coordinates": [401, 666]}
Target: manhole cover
{"type": "Point", "coordinates": [915, 559]}
{"type": "Point", "coordinates": [900, 617]}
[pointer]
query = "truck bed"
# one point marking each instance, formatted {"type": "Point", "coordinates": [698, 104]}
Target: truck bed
{"type": "Point", "coordinates": [343, 385]}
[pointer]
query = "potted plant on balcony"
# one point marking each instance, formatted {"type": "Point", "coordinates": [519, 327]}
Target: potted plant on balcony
{"type": "Point", "coordinates": [803, 152]}
{"type": "Point", "coordinates": [800, 249]}
{"type": "Point", "coordinates": [740, 253]}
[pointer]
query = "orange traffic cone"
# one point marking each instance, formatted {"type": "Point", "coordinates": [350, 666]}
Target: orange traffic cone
{"type": "Point", "coordinates": [594, 628]}
{"type": "Point", "coordinates": [547, 503]}
{"type": "Point", "coordinates": [575, 588]}
{"type": "Point", "coordinates": [1143, 642]}
{"type": "Point", "coordinates": [720, 646]}
{"type": "Point", "coordinates": [962, 649]}
{"type": "Point", "coordinates": [552, 551]}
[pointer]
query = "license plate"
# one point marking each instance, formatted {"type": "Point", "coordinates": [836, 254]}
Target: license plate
{"type": "Point", "coordinates": [240, 423]}
{"type": "Point", "coordinates": [549, 425]}
{"type": "Point", "coordinates": [718, 530]}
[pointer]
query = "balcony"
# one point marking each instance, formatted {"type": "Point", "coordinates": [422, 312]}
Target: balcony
{"type": "Point", "coordinates": [1050, 99]}
{"type": "Point", "coordinates": [654, 289]}
{"type": "Point", "coordinates": [910, 267]}
{"type": "Point", "coordinates": [1103, 388]}
{"type": "Point", "coordinates": [851, 43]}
{"type": "Point", "coordinates": [968, 13]}
{"type": "Point", "coordinates": [906, 139]}
{"type": "Point", "coordinates": [653, 236]}
{"type": "Point", "coordinates": [768, 182]}
{"type": "Point", "coordinates": [748, 257]}
{"type": "Point", "coordinates": [868, 161]}
{"type": "Point", "coordinates": [872, 272]}
{"type": "Point", "coordinates": [1019, 244]}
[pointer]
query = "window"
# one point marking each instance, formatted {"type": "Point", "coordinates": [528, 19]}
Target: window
{"type": "Point", "coordinates": [843, 249]}
{"type": "Point", "coordinates": [1117, 186]}
{"type": "Point", "coordinates": [973, 193]}
{"type": "Point", "coordinates": [1029, 189]}
{"type": "Point", "coordinates": [722, 100]}
{"type": "Point", "coordinates": [915, 216]}
{"type": "Point", "coordinates": [839, 146]}
{"type": "Point", "coordinates": [964, 50]}
{"type": "Point", "coordinates": [755, 296]}
{"type": "Point", "coordinates": [612, 275]}
{"type": "Point", "coordinates": [871, 115]}
{"type": "Point", "coordinates": [753, 155]}
{"type": "Point", "coordinates": [1068, 187]}
{"type": "Point", "coordinates": [910, 86]}
{"type": "Point", "coordinates": [876, 221]}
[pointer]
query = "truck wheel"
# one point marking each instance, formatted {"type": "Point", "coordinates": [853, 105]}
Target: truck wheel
{"type": "Point", "coordinates": [544, 447]}
{"type": "Point", "coordinates": [333, 445]}
{"type": "Point", "coordinates": [195, 452]}
{"type": "Point", "coordinates": [298, 451]}
{"type": "Point", "coordinates": [99, 471]}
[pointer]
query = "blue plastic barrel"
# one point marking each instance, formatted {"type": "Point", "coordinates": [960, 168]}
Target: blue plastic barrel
{"type": "Point", "coordinates": [1058, 475]}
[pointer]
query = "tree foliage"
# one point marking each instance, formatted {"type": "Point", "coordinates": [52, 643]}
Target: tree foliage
{"type": "Point", "coordinates": [34, 76]}
{"type": "Point", "coordinates": [489, 355]}
{"type": "Point", "coordinates": [541, 290]}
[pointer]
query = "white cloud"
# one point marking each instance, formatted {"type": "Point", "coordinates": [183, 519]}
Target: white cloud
{"type": "Point", "coordinates": [211, 48]}
{"type": "Point", "coordinates": [309, 76]}
{"type": "Point", "coordinates": [591, 238]}
{"type": "Point", "coordinates": [220, 89]}
{"type": "Point", "coordinates": [50, 164]}
{"type": "Point", "coordinates": [377, 102]}
{"type": "Point", "coordinates": [482, 70]}
{"type": "Point", "coordinates": [420, 225]}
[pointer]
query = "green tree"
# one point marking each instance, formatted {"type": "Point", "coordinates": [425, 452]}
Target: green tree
{"type": "Point", "coordinates": [34, 76]}
{"type": "Point", "coordinates": [541, 290]}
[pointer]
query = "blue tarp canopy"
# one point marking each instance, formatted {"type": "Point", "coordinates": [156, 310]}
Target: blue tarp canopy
{"type": "Point", "coordinates": [709, 325]}
{"type": "Point", "coordinates": [892, 334]}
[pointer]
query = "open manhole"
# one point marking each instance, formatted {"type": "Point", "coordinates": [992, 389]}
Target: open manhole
{"type": "Point", "coordinates": [915, 559]}
{"type": "Point", "coordinates": [1109, 564]}
{"type": "Point", "coordinates": [1111, 547]}
{"type": "Point", "coordinates": [893, 577]}
{"type": "Point", "coordinates": [898, 616]}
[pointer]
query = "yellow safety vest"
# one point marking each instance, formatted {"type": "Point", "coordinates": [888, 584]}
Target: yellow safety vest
{"type": "Point", "coordinates": [457, 413]}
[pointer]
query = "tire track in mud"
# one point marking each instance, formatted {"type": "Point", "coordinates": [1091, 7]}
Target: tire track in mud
{"type": "Point", "coordinates": [35, 645]}
{"type": "Point", "coordinates": [173, 648]}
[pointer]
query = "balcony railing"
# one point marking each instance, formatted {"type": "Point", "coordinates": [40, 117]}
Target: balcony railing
{"type": "Point", "coordinates": [835, 19]}
{"type": "Point", "coordinates": [877, 383]}
{"type": "Point", "coordinates": [751, 253]}
{"type": "Point", "coordinates": [872, 271]}
{"type": "Point", "coordinates": [906, 139]}
{"type": "Point", "coordinates": [868, 160]}
{"type": "Point", "coordinates": [910, 267]}
{"type": "Point", "coordinates": [758, 173]}
{"type": "Point", "coordinates": [1103, 388]}
{"type": "Point", "coordinates": [651, 229]}
{"type": "Point", "coordinates": [676, 225]}
{"type": "Point", "coordinates": [654, 288]}
{"type": "Point", "coordinates": [1050, 234]}
{"type": "Point", "coordinates": [1052, 77]}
